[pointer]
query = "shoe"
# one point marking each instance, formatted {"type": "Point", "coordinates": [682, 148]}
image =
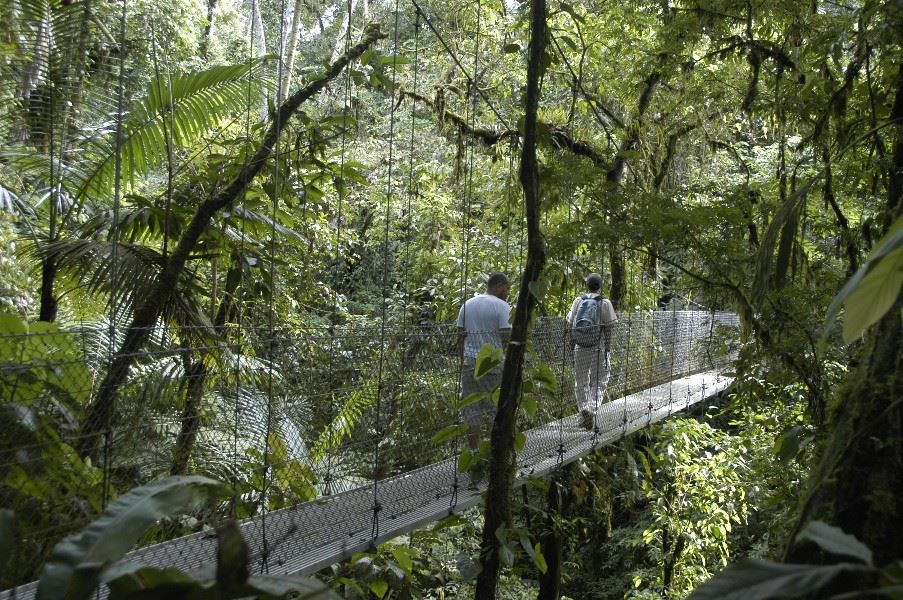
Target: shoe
{"type": "Point", "coordinates": [586, 420]}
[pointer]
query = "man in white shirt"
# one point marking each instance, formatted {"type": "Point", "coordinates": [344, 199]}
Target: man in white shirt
{"type": "Point", "coordinates": [482, 320]}
{"type": "Point", "coordinates": [592, 349]}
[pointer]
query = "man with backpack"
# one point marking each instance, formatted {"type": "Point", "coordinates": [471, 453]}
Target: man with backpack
{"type": "Point", "coordinates": [589, 324]}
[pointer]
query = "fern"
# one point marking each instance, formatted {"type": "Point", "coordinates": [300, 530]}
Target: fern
{"type": "Point", "coordinates": [181, 110]}
{"type": "Point", "coordinates": [342, 426]}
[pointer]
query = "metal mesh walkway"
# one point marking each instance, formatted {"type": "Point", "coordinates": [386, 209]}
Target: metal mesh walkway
{"type": "Point", "coordinates": [292, 424]}
{"type": "Point", "coordinates": [319, 533]}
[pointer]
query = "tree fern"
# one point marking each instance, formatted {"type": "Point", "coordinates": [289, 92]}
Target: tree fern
{"type": "Point", "coordinates": [182, 109]}
{"type": "Point", "coordinates": [179, 110]}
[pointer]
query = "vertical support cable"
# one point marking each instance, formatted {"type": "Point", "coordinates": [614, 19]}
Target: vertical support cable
{"type": "Point", "coordinates": [626, 371]}
{"type": "Point", "coordinates": [168, 125]}
{"type": "Point", "coordinates": [377, 507]}
{"type": "Point", "coordinates": [239, 316]}
{"type": "Point", "coordinates": [340, 196]}
{"type": "Point", "coordinates": [673, 353]}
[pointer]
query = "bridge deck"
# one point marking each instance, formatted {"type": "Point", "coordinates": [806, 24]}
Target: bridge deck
{"type": "Point", "coordinates": [316, 534]}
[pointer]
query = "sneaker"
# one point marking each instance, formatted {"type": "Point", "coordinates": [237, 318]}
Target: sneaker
{"type": "Point", "coordinates": [586, 419]}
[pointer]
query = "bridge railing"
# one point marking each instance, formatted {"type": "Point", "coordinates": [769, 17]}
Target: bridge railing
{"type": "Point", "coordinates": [280, 418]}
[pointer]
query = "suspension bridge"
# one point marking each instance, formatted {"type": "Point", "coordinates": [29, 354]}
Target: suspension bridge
{"type": "Point", "coordinates": [379, 467]}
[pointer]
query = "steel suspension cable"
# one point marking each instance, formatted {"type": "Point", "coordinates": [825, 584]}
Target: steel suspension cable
{"type": "Point", "coordinates": [377, 507]}
{"type": "Point", "coordinates": [451, 53]}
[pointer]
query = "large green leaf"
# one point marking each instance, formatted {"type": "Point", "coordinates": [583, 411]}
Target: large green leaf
{"type": "Point", "coordinates": [834, 540]}
{"type": "Point", "coordinates": [130, 580]}
{"type": "Point", "coordinates": [281, 586]}
{"type": "Point", "coordinates": [867, 306]}
{"type": "Point", "coordinates": [759, 580]}
{"type": "Point", "coordinates": [874, 295]}
{"type": "Point", "coordinates": [489, 358]}
{"type": "Point", "coordinates": [77, 561]}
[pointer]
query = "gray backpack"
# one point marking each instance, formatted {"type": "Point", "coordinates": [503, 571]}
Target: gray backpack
{"type": "Point", "coordinates": [586, 328]}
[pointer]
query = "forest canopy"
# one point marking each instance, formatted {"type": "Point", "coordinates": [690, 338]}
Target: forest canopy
{"type": "Point", "coordinates": [215, 210]}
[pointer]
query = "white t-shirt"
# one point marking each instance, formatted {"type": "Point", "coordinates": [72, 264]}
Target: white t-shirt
{"type": "Point", "coordinates": [481, 317]}
{"type": "Point", "coordinates": [607, 315]}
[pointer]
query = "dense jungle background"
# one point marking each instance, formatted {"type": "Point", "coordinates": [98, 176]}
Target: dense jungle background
{"type": "Point", "coordinates": [196, 195]}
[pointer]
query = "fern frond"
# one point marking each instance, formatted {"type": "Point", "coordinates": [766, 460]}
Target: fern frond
{"type": "Point", "coordinates": [343, 424]}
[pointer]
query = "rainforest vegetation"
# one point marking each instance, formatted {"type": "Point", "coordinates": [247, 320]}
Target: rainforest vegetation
{"type": "Point", "coordinates": [214, 214]}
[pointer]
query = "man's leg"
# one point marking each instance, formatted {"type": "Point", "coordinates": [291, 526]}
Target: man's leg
{"type": "Point", "coordinates": [582, 363]}
{"type": "Point", "coordinates": [604, 376]}
{"type": "Point", "coordinates": [595, 395]}
{"type": "Point", "coordinates": [581, 376]}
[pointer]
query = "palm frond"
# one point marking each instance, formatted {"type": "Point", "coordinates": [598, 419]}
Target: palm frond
{"type": "Point", "coordinates": [92, 263]}
{"type": "Point", "coordinates": [253, 217]}
{"type": "Point", "coordinates": [11, 203]}
{"type": "Point", "coordinates": [178, 113]}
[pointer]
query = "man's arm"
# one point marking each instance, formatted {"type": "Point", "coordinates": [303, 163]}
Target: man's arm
{"type": "Point", "coordinates": [505, 335]}
{"type": "Point", "coordinates": [606, 335]}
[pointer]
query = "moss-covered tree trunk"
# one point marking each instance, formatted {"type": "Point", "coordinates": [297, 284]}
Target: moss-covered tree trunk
{"type": "Point", "coordinates": [501, 461]}
{"type": "Point", "coordinates": [553, 538]}
{"type": "Point", "coordinates": [858, 484]}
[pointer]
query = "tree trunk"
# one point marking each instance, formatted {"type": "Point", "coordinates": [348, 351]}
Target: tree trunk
{"type": "Point", "coordinates": [196, 376]}
{"type": "Point", "coordinates": [550, 581]}
{"type": "Point", "coordinates": [859, 479]}
{"type": "Point", "coordinates": [99, 415]}
{"type": "Point", "coordinates": [292, 45]}
{"type": "Point", "coordinates": [208, 29]}
{"type": "Point", "coordinates": [48, 300]}
{"type": "Point", "coordinates": [72, 91]}
{"type": "Point", "coordinates": [260, 45]}
{"type": "Point", "coordinates": [501, 462]}
{"type": "Point", "coordinates": [615, 175]}
{"type": "Point", "coordinates": [618, 277]}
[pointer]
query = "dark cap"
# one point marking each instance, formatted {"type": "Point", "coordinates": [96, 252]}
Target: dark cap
{"type": "Point", "coordinates": [593, 281]}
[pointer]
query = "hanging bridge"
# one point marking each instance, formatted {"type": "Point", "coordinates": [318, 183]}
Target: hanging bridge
{"type": "Point", "coordinates": [333, 442]}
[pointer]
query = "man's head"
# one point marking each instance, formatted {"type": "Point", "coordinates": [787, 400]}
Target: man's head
{"type": "Point", "coordinates": [593, 282]}
{"type": "Point", "coordinates": [498, 286]}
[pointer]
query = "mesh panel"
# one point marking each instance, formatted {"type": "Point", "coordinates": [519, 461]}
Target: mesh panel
{"type": "Point", "coordinates": [287, 420]}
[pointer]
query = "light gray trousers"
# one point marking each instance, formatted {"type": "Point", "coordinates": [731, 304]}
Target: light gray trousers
{"type": "Point", "coordinates": [591, 374]}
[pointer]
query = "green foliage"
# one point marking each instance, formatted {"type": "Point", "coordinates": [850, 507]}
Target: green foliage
{"type": "Point", "coordinates": [695, 483]}
{"type": "Point", "coordinates": [273, 479]}
{"type": "Point", "coordinates": [77, 562]}
{"type": "Point", "coordinates": [82, 561]}
{"type": "Point", "coordinates": [870, 293]}
{"type": "Point", "coordinates": [345, 422]}
{"type": "Point", "coordinates": [489, 358]}
{"type": "Point", "coordinates": [760, 580]}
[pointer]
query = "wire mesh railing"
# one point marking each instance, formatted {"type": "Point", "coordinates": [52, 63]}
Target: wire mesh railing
{"type": "Point", "coordinates": [283, 419]}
